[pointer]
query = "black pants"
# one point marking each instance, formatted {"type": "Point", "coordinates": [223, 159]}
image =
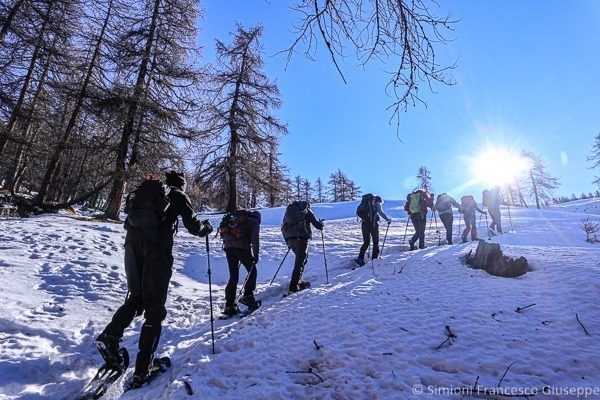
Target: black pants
{"type": "Point", "coordinates": [419, 222]}
{"type": "Point", "coordinates": [236, 256]}
{"type": "Point", "coordinates": [148, 270]}
{"type": "Point", "coordinates": [447, 220]}
{"type": "Point", "coordinates": [369, 231]}
{"type": "Point", "coordinates": [300, 248]}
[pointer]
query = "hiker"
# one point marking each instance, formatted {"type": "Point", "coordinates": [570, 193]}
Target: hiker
{"type": "Point", "coordinates": [370, 212]}
{"type": "Point", "coordinates": [469, 207]}
{"type": "Point", "coordinates": [416, 206]}
{"type": "Point", "coordinates": [241, 245]}
{"type": "Point", "coordinates": [492, 199]}
{"type": "Point", "coordinates": [297, 232]}
{"type": "Point", "coordinates": [443, 205]}
{"type": "Point", "coordinates": [148, 266]}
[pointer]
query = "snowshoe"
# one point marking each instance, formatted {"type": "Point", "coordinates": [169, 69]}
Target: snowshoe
{"type": "Point", "coordinates": [108, 346]}
{"type": "Point", "coordinates": [105, 377]}
{"type": "Point", "coordinates": [229, 312]}
{"type": "Point", "coordinates": [159, 365]}
{"type": "Point", "coordinates": [359, 261]}
{"type": "Point", "coordinates": [249, 301]}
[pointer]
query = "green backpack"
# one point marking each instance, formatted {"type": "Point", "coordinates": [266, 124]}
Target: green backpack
{"type": "Point", "coordinates": [415, 203]}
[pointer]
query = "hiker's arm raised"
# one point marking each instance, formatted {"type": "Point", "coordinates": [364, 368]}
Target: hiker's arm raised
{"type": "Point", "coordinates": [188, 216]}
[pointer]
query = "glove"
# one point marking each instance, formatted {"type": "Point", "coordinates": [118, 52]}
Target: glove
{"type": "Point", "coordinates": [389, 221]}
{"type": "Point", "coordinates": [322, 225]}
{"type": "Point", "coordinates": [206, 228]}
{"type": "Point", "coordinates": [485, 212]}
{"type": "Point", "coordinates": [255, 259]}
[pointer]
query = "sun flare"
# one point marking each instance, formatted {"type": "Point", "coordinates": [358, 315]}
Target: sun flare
{"type": "Point", "coordinates": [498, 167]}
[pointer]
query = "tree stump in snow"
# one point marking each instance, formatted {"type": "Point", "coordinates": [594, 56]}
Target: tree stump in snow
{"type": "Point", "coordinates": [489, 257]}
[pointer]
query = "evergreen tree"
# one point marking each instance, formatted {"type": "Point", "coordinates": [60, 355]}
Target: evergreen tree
{"type": "Point", "coordinates": [298, 187]}
{"type": "Point", "coordinates": [424, 179]}
{"type": "Point", "coordinates": [306, 190]}
{"type": "Point", "coordinates": [239, 125]}
{"type": "Point", "coordinates": [342, 188]}
{"type": "Point", "coordinates": [320, 191]}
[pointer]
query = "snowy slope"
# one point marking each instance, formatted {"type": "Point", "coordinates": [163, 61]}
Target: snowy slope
{"type": "Point", "coordinates": [371, 333]}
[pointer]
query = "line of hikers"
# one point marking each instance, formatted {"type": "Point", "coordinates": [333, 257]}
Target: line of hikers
{"type": "Point", "coordinates": [369, 211]}
{"type": "Point", "coordinates": [152, 219]}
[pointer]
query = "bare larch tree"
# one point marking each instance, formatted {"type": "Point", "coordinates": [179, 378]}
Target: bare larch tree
{"type": "Point", "coordinates": [538, 183]}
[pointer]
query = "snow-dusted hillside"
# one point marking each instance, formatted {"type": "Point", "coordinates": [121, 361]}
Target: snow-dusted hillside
{"type": "Point", "coordinates": [378, 332]}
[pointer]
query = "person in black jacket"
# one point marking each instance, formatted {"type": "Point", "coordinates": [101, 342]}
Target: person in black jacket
{"type": "Point", "coordinates": [370, 229]}
{"type": "Point", "coordinates": [297, 236]}
{"type": "Point", "coordinates": [148, 263]}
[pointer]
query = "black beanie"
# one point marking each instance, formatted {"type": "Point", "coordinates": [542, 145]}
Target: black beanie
{"type": "Point", "coordinates": [175, 179]}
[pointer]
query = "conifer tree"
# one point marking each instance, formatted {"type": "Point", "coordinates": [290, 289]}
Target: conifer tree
{"type": "Point", "coordinates": [424, 179]}
{"type": "Point", "coordinates": [239, 123]}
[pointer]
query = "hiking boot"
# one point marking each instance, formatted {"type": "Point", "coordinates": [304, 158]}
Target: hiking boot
{"type": "Point", "coordinates": [143, 364]}
{"type": "Point", "coordinates": [135, 383]}
{"type": "Point", "coordinates": [303, 285]}
{"type": "Point", "coordinates": [464, 239]}
{"type": "Point", "coordinates": [108, 346]}
{"type": "Point", "coordinates": [412, 245]}
{"type": "Point", "coordinates": [230, 310]}
{"type": "Point", "coordinates": [359, 261]}
{"type": "Point", "coordinates": [249, 301]}
{"type": "Point", "coordinates": [492, 233]}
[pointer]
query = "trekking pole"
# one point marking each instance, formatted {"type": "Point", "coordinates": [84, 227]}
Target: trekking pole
{"type": "Point", "coordinates": [430, 222]}
{"type": "Point", "coordinates": [384, 237]}
{"type": "Point", "coordinates": [212, 319]}
{"type": "Point", "coordinates": [276, 272]}
{"type": "Point", "coordinates": [488, 228]}
{"type": "Point", "coordinates": [509, 218]}
{"type": "Point", "coordinates": [459, 219]}
{"type": "Point", "coordinates": [324, 255]}
{"type": "Point", "coordinates": [405, 230]}
{"type": "Point", "coordinates": [437, 230]}
{"type": "Point", "coordinates": [246, 281]}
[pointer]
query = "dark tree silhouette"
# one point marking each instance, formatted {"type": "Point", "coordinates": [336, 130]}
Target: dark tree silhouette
{"type": "Point", "coordinates": [239, 124]}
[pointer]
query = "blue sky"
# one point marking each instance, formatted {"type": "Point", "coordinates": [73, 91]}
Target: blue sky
{"type": "Point", "coordinates": [527, 77]}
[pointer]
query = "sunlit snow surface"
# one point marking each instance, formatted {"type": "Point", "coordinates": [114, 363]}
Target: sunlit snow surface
{"type": "Point", "coordinates": [371, 333]}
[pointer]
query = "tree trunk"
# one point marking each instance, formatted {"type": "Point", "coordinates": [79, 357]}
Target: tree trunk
{"type": "Point", "coordinates": [9, 19]}
{"type": "Point", "coordinates": [58, 153]}
{"type": "Point", "coordinates": [16, 172]}
{"type": "Point", "coordinates": [17, 110]}
{"type": "Point", "coordinates": [520, 194]}
{"type": "Point", "coordinates": [535, 190]}
{"type": "Point", "coordinates": [120, 180]}
{"type": "Point", "coordinates": [489, 257]}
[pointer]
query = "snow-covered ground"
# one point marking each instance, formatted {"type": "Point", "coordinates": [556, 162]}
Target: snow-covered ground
{"type": "Point", "coordinates": [377, 332]}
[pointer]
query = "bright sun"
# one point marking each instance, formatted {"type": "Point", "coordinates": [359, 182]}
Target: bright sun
{"type": "Point", "coordinates": [498, 167]}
